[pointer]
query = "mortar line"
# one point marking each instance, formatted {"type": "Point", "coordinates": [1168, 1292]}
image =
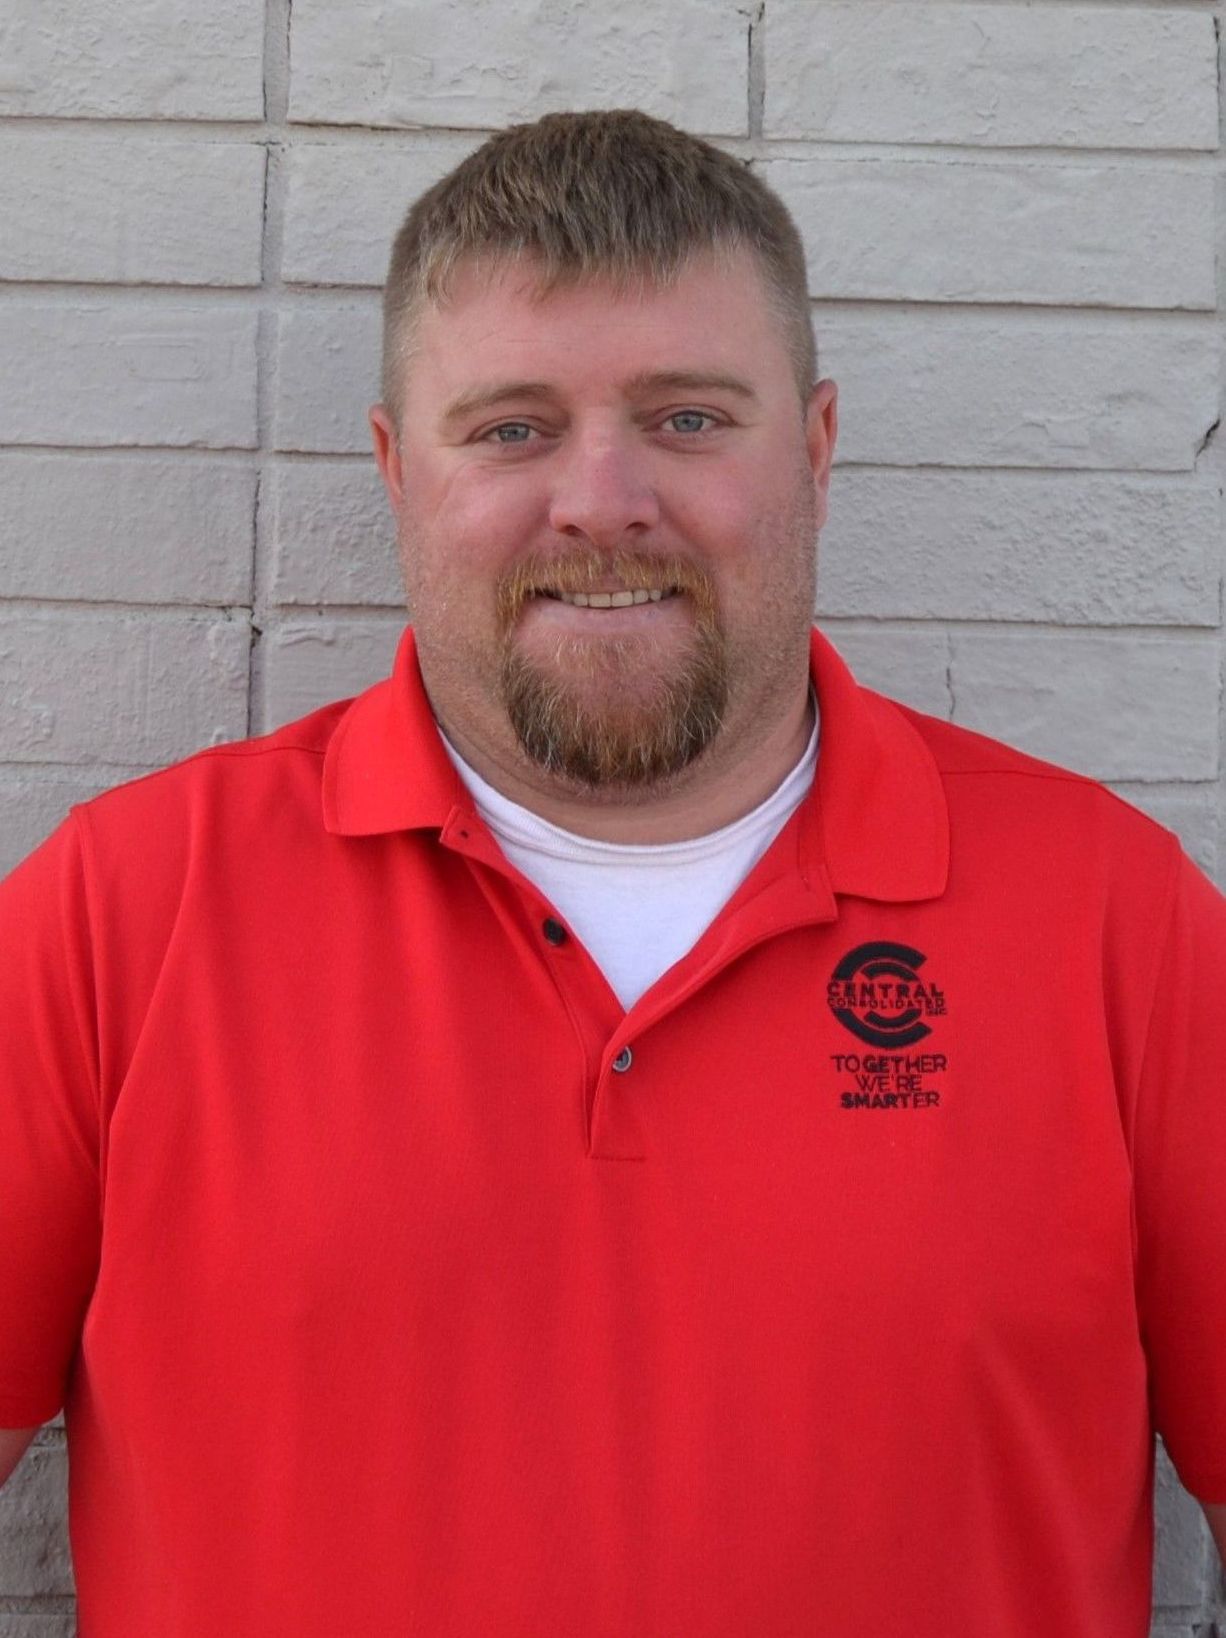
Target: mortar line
{"type": "Point", "coordinates": [278, 20]}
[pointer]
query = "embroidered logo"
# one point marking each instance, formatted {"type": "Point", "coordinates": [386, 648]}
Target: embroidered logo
{"type": "Point", "coordinates": [877, 993]}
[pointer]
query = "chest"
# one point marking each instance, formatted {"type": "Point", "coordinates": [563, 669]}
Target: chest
{"type": "Point", "coordinates": [893, 1102]}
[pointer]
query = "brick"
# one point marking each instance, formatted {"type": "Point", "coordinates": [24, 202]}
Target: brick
{"type": "Point", "coordinates": [128, 373]}
{"type": "Point", "coordinates": [1007, 76]}
{"type": "Point", "coordinates": [33, 801]}
{"type": "Point", "coordinates": [1191, 811]}
{"type": "Point", "coordinates": [1114, 706]}
{"type": "Point", "coordinates": [981, 388]}
{"type": "Point", "coordinates": [305, 664]}
{"type": "Point", "coordinates": [126, 528]}
{"type": "Point", "coordinates": [906, 663]}
{"type": "Point", "coordinates": [1182, 1544]}
{"type": "Point", "coordinates": [34, 1556]}
{"type": "Point", "coordinates": [1066, 548]}
{"type": "Point", "coordinates": [333, 538]}
{"type": "Point", "coordinates": [1107, 235]}
{"type": "Point", "coordinates": [327, 377]}
{"type": "Point", "coordinates": [144, 59]}
{"type": "Point", "coordinates": [130, 211]}
{"type": "Point", "coordinates": [344, 204]}
{"type": "Point", "coordinates": [491, 62]}
{"type": "Point", "coordinates": [138, 689]}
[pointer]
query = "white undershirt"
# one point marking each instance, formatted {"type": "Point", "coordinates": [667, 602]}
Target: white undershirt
{"type": "Point", "coordinates": [637, 908]}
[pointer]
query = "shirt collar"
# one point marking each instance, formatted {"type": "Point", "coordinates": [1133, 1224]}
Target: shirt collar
{"type": "Point", "coordinates": [875, 825]}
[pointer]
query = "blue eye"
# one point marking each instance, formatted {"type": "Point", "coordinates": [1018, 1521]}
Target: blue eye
{"type": "Point", "coordinates": [689, 421]}
{"type": "Point", "coordinates": [511, 432]}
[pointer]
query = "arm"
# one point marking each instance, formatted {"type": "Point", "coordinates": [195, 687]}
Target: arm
{"type": "Point", "coordinates": [13, 1443]}
{"type": "Point", "coordinates": [1215, 1512]}
{"type": "Point", "coordinates": [50, 1196]}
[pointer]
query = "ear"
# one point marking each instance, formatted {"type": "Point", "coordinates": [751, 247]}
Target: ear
{"type": "Point", "coordinates": [821, 431]}
{"type": "Point", "coordinates": [387, 454]}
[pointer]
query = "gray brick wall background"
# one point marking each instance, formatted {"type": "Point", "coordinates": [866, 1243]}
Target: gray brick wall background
{"type": "Point", "coordinates": [1014, 216]}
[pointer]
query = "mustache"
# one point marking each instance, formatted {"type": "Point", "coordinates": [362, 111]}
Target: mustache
{"type": "Point", "coordinates": [588, 571]}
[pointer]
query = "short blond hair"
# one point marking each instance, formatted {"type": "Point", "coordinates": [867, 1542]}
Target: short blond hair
{"type": "Point", "coordinates": [613, 194]}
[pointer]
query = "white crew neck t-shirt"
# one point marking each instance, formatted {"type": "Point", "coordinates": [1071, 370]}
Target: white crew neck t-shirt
{"type": "Point", "coordinates": [637, 908]}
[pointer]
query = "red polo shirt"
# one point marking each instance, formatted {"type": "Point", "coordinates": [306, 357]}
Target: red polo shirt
{"type": "Point", "coordinates": [395, 1281]}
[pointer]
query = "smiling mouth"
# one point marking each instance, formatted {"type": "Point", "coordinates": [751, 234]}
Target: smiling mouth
{"type": "Point", "coordinates": [611, 600]}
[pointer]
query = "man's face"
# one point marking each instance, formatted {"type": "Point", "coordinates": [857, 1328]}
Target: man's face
{"type": "Point", "coordinates": [607, 507]}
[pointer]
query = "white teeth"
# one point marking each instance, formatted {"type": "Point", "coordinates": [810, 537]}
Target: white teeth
{"type": "Point", "coordinates": [611, 600]}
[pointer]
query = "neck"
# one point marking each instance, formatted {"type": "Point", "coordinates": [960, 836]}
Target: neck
{"type": "Point", "coordinates": [728, 781]}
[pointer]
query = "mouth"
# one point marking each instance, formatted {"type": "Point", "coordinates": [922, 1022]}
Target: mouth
{"type": "Point", "coordinates": [611, 600]}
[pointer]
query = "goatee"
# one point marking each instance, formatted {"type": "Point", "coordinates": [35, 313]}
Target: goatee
{"type": "Point", "coordinates": [616, 712]}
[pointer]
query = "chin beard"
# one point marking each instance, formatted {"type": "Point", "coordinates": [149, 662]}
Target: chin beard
{"type": "Point", "coordinates": [599, 719]}
{"type": "Point", "coordinates": [614, 713]}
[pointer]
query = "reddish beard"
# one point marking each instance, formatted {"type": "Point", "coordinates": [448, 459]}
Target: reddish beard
{"type": "Point", "coordinates": [610, 712]}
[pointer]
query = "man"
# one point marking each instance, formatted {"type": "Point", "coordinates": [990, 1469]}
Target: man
{"type": "Point", "coordinates": [522, 1152]}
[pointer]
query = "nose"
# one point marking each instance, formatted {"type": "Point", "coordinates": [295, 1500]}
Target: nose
{"type": "Point", "coordinates": [602, 489]}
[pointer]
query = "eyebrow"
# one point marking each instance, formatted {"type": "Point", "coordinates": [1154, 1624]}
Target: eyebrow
{"type": "Point", "coordinates": [490, 394]}
{"type": "Point", "coordinates": [690, 381]}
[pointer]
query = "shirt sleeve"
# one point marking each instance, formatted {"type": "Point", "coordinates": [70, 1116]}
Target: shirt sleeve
{"type": "Point", "coordinates": [1179, 1170]}
{"type": "Point", "coordinates": [49, 1127]}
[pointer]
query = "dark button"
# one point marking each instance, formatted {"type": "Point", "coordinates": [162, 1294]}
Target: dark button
{"type": "Point", "coordinates": [554, 931]}
{"type": "Point", "coordinates": [623, 1060]}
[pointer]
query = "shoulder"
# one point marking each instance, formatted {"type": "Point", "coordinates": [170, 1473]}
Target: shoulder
{"type": "Point", "coordinates": [1015, 801]}
{"type": "Point", "coordinates": [223, 808]}
{"type": "Point", "coordinates": [289, 757]}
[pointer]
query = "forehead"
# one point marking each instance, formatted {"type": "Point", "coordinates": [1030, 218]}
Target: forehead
{"type": "Point", "coordinates": [498, 318]}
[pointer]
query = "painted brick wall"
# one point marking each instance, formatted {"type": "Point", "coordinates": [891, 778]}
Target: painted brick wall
{"type": "Point", "coordinates": [1013, 215]}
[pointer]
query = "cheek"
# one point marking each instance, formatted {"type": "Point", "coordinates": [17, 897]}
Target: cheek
{"type": "Point", "coordinates": [471, 503]}
{"type": "Point", "coordinates": [737, 523]}
{"type": "Point", "coordinates": [712, 509]}
{"type": "Point", "coordinates": [455, 549]}
{"type": "Point", "coordinates": [725, 504]}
